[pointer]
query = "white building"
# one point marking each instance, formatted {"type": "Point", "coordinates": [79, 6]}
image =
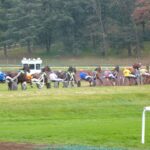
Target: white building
{"type": "Point", "coordinates": [33, 64]}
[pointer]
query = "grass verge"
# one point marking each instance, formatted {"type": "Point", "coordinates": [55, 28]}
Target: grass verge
{"type": "Point", "coordinates": [99, 116]}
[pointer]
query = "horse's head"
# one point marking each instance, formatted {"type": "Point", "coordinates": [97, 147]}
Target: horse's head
{"type": "Point", "coordinates": [70, 69]}
{"type": "Point", "coordinates": [46, 69]}
{"type": "Point", "coordinates": [136, 65]}
{"type": "Point", "coordinates": [26, 69]}
{"type": "Point", "coordinates": [117, 68]}
{"type": "Point", "coordinates": [98, 69]}
{"type": "Point", "coordinates": [60, 74]}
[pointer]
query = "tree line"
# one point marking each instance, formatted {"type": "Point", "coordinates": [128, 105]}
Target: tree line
{"type": "Point", "coordinates": [98, 26]}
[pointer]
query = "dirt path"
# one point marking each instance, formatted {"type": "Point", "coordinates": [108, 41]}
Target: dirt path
{"type": "Point", "coordinates": [16, 146]}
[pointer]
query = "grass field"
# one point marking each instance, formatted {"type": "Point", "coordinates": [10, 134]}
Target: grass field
{"type": "Point", "coordinates": [98, 116]}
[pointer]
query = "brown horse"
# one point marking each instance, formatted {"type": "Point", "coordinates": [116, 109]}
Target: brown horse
{"type": "Point", "coordinates": [111, 77]}
{"type": "Point", "coordinates": [41, 79]}
{"type": "Point", "coordinates": [21, 77]}
{"type": "Point", "coordinates": [15, 78]}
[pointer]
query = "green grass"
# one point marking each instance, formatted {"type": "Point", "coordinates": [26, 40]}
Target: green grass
{"type": "Point", "coordinates": [99, 116]}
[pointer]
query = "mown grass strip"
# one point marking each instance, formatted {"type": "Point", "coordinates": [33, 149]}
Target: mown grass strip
{"type": "Point", "coordinates": [100, 116]}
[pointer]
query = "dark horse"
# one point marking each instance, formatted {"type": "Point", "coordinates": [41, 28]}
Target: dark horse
{"type": "Point", "coordinates": [69, 77]}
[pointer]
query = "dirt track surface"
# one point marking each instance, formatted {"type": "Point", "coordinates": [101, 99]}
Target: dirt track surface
{"type": "Point", "coordinates": [15, 146]}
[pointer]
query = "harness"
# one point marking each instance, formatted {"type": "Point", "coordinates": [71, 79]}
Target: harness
{"type": "Point", "coordinates": [71, 75]}
{"type": "Point", "coordinates": [40, 81]}
{"type": "Point", "coordinates": [10, 79]}
{"type": "Point", "coordinates": [109, 74]}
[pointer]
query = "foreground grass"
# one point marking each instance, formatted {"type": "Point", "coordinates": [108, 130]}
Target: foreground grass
{"type": "Point", "coordinates": [101, 116]}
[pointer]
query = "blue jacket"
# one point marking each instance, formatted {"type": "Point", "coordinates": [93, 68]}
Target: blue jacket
{"type": "Point", "coordinates": [2, 76]}
{"type": "Point", "coordinates": [83, 75]}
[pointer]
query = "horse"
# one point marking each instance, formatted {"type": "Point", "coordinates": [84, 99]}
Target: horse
{"type": "Point", "coordinates": [20, 77]}
{"type": "Point", "coordinates": [14, 78]}
{"type": "Point", "coordinates": [131, 76]}
{"type": "Point", "coordinates": [88, 76]}
{"type": "Point", "coordinates": [145, 75]}
{"type": "Point", "coordinates": [68, 77]}
{"type": "Point", "coordinates": [23, 77]}
{"type": "Point", "coordinates": [41, 79]}
{"type": "Point", "coordinates": [111, 77]}
{"type": "Point", "coordinates": [48, 77]}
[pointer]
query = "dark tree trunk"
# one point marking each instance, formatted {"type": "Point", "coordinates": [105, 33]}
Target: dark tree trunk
{"type": "Point", "coordinates": [103, 53]}
{"type": "Point", "coordinates": [5, 51]}
{"type": "Point", "coordinates": [137, 50]}
{"type": "Point", "coordinates": [98, 9]}
{"type": "Point", "coordinates": [94, 42]}
{"type": "Point", "coordinates": [129, 50]}
{"type": "Point", "coordinates": [29, 46]}
{"type": "Point", "coordinates": [48, 44]}
{"type": "Point", "coordinates": [143, 27]}
{"type": "Point", "coordinates": [47, 48]}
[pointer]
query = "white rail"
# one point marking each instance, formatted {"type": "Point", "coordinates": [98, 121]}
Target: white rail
{"type": "Point", "coordinates": [143, 123]}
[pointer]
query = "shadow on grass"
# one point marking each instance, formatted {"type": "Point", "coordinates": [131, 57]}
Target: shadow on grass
{"type": "Point", "coordinates": [77, 148]}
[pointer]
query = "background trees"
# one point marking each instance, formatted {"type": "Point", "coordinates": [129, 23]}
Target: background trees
{"type": "Point", "coordinates": [101, 27]}
{"type": "Point", "coordinates": [141, 16]}
{"type": "Point", "coordinates": [5, 37]}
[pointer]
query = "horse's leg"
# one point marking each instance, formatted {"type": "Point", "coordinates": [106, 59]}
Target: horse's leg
{"type": "Point", "coordinates": [72, 83]}
{"type": "Point", "coordinates": [10, 86]}
{"type": "Point", "coordinates": [31, 84]}
{"type": "Point", "coordinates": [94, 82]}
{"type": "Point", "coordinates": [130, 81]}
{"type": "Point", "coordinates": [48, 85]}
{"type": "Point", "coordinates": [113, 82]}
{"type": "Point", "coordinates": [14, 86]}
{"type": "Point", "coordinates": [90, 83]}
{"type": "Point", "coordinates": [137, 81]}
{"type": "Point", "coordinates": [79, 83]}
{"type": "Point", "coordinates": [24, 85]}
{"type": "Point", "coordinates": [121, 80]}
{"type": "Point", "coordinates": [126, 81]}
{"type": "Point", "coordinates": [100, 81]}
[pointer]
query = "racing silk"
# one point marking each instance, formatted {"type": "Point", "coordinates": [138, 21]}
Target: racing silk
{"type": "Point", "coordinates": [83, 75]}
{"type": "Point", "coordinates": [126, 72]}
{"type": "Point", "coordinates": [53, 76]}
{"type": "Point", "coordinates": [107, 73]}
{"type": "Point", "coordinates": [28, 76]}
{"type": "Point", "coordinates": [144, 72]}
{"type": "Point", "coordinates": [2, 76]}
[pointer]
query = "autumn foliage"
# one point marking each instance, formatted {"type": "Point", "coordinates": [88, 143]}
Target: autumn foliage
{"type": "Point", "coordinates": [141, 13]}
